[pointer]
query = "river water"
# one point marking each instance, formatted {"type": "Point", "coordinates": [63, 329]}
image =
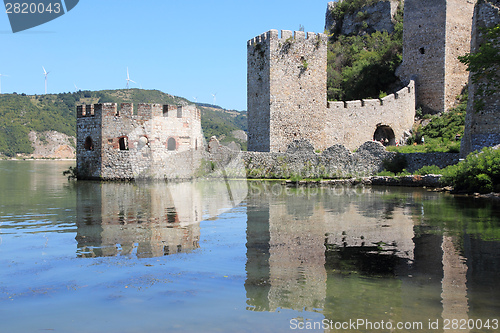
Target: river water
{"type": "Point", "coordinates": [232, 256]}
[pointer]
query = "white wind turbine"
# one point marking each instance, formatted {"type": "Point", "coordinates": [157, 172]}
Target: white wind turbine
{"type": "Point", "coordinates": [45, 73]}
{"type": "Point", "coordinates": [129, 80]}
{"type": "Point", "coordinates": [1, 82]}
{"type": "Point", "coordinates": [76, 88]}
{"type": "Point", "coordinates": [215, 97]}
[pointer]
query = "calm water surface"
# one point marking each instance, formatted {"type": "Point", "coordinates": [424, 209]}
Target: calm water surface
{"type": "Point", "coordinates": [240, 257]}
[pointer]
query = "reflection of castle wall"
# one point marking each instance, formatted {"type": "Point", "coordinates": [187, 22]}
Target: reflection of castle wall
{"type": "Point", "coordinates": [286, 255]}
{"type": "Point", "coordinates": [351, 229]}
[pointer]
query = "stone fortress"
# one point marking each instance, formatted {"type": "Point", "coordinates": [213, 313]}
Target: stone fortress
{"type": "Point", "coordinates": [286, 81]}
{"type": "Point", "coordinates": [287, 99]}
{"type": "Point", "coordinates": [157, 141]}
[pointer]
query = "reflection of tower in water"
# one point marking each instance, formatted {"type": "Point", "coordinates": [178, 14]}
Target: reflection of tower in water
{"type": "Point", "coordinates": [146, 220]}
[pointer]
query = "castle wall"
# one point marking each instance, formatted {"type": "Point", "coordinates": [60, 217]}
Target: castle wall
{"type": "Point", "coordinates": [354, 122]}
{"type": "Point", "coordinates": [158, 142]}
{"type": "Point", "coordinates": [258, 92]}
{"type": "Point", "coordinates": [435, 33]}
{"type": "Point", "coordinates": [482, 127]}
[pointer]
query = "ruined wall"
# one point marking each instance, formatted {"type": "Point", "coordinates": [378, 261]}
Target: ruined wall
{"type": "Point", "coordinates": [482, 127]}
{"type": "Point", "coordinates": [157, 142]}
{"type": "Point", "coordinates": [435, 33]}
{"type": "Point", "coordinates": [286, 90]}
{"type": "Point", "coordinates": [354, 122]}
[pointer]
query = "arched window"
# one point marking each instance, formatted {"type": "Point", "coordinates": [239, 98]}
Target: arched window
{"type": "Point", "coordinates": [171, 144]}
{"type": "Point", "coordinates": [385, 135]}
{"type": "Point", "coordinates": [89, 145]}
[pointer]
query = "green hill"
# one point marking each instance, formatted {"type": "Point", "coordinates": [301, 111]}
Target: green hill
{"type": "Point", "coordinates": [20, 114]}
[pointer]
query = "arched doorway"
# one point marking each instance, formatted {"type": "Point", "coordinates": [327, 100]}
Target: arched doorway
{"type": "Point", "coordinates": [385, 135]}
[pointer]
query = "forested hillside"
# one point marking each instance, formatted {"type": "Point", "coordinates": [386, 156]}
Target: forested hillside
{"type": "Point", "coordinates": [20, 114]}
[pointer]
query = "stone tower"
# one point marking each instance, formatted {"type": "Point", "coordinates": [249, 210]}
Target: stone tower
{"type": "Point", "coordinates": [482, 127]}
{"type": "Point", "coordinates": [435, 33]}
{"type": "Point", "coordinates": [286, 90]}
{"type": "Point", "coordinates": [157, 141]}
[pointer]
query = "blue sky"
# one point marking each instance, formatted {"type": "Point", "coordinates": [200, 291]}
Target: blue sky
{"type": "Point", "coordinates": [191, 49]}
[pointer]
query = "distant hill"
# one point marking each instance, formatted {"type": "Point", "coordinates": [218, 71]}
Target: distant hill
{"type": "Point", "coordinates": [20, 114]}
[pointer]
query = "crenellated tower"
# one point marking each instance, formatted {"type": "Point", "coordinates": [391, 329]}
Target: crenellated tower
{"type": "Point", "coordinates": [153, 141]}
{"type": "Point", "coordinates": [286, 90]}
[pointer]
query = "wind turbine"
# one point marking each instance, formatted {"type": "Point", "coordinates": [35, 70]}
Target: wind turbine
{"type": "Point", "coordinates": [45, 73]}
{"type": "Point", "coordinates": [214, 96]}
{"type": "Point", "coordinates": [195, 99]}
{"type": "Point", "coordinates": [1, 82]}
{"type": "Point", "coordinates": [128, 79]}
{"type": "Point", "coordinates": [76, 88]}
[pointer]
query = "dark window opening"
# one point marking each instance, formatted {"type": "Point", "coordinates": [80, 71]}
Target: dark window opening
{"type": "Point", "coordinates": [385, 135]}
{"type": "Point", "coordinates": [89, 145]}
{"type": "Point", "coordinates": [123, 143]}
{"type": "Point", "coordinates": [179, 112]}
{"type": "Point", "coordinates": [196, 144]}
{"type": "Point", "coordinates": [171, 144]}
{"type": "Point", "coordinates": [422, 50]}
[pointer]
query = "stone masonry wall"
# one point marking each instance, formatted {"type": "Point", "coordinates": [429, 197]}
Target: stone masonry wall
{"type": "Point", "coordinates": [289, 96]}
{"type": "Point", "coordinates": [354, 122]}
{"type": "Point", "coordinates": [335, 162]}
{"type": "Point", "coordinates": [435, 33]}
{"type": "Point", "coordinates": [482, 127]}
{"type": "Point", "coordinates": [157, 142]}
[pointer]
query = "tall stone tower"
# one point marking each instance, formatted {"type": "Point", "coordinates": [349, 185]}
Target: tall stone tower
{"type": "Point", "coordinates": [482, 126]}
{"type": "Point", "coordinates": [286, 90]}
{"type": "Point", "coordinates": [435, 33]}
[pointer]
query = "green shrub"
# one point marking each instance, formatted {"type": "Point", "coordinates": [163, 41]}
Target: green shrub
{"type": "Point", "coordinates": [428, 170]}
{"type": "Point", "coordinates": [479, 172]}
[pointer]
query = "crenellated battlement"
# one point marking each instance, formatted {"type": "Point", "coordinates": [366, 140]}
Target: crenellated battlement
{"type": "Point", "coordinates": [406, 93]}
{"type": "Point", "coordinates": [144, 110]}
{"type": "Point", "coordinates": [288, 36]}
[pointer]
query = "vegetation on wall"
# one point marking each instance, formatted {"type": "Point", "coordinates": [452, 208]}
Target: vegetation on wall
{"type": "Point", "coordinates": [20, 114]}
{"type": "Point", "coordinates": [363, 65]}
{"type": "Point", "coordinates": [485, 65]}
{"type": "Point", "coordinates": [442, 133]}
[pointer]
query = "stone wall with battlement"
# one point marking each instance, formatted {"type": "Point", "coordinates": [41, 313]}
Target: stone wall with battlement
{"type": "Point", "coordinates": [354, 122]}
{"type": "Point", "coordinates": [156, 141]}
